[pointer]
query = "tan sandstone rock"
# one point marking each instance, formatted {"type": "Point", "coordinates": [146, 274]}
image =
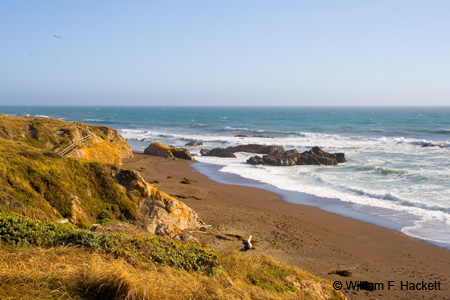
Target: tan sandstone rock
{"type": "Point", "coordinates": [158, 149]}
{"type": "Point", "coordinates": [160, 213]}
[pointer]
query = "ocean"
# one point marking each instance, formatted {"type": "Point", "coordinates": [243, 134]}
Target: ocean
{"type": "Point", "coordinates": [390, 178]}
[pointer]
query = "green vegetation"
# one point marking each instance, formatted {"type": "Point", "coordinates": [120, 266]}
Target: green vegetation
{"type": "Point", "coordinates": [43, 133]}
{"type": "Point", "coordinates": [78, 264]}
{"type": "Point", "coordinates": [44, 185]}
{"type": "Point", "coordinates": [16, 229]}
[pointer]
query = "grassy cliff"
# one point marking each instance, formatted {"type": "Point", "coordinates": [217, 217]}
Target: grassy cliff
{"type": "Point", "coordinates": [102, 144]}
{"type": "Point", "coordinates": [42, 184]}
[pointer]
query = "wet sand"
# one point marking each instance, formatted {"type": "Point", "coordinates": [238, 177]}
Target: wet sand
{"type": "Point", "coordinates": [317, 241]}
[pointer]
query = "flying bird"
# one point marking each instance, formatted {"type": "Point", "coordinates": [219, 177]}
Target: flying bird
{"type": "Point", "coordinates": [57, 36]}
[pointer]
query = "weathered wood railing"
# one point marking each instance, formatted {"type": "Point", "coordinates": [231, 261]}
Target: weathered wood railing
{"type": "Point", "coordinates": [85, 137]}
{"type": "Point", "coordinates": [74, 145]}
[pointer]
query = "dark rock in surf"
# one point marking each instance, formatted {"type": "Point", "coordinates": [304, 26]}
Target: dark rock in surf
{"type": "Point", "coordinates": [218, 152]}
{"type": "Point", "coordinates": [251, 148]}
{"type": "Point", "coordinates": [315, 156]}
{"type": "Point", "coordinates": [432, 145]}
{"type": "Point", "coordinates": [194, 144]}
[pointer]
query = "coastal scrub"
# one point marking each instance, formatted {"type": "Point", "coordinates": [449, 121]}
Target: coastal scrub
{"type": "Point", "coordinates": [42, 260]}
{"type": "Point", "coordinates": [18, 230]}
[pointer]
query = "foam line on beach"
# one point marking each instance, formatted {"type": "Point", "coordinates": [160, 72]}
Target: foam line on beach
{"type": "Point", "coordinates": [409, 221]}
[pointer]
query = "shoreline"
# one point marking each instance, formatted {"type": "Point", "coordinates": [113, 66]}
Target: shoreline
{"type": "Point", "coordinates": [330, 205]}
{"type": "Point", "coordinates": [315, 240]}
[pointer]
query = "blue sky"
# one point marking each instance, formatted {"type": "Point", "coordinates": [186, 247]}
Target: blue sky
{"type": "Point", "coordinates": [234, 52]}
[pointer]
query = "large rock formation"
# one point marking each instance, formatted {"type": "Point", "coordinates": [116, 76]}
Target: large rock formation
{"type": "Point", "coordinates": [277, 156]}
{"type": "Point", "coordinates": [158, 149]}
{"type": "Point", "coordinates": [315, 156]}
{"type": "Point", "coordinates": [160, 213]}
{"type": "Point", "coordinates": [106, 145]}
{"type": "Point", "coordinates": [252, 148]}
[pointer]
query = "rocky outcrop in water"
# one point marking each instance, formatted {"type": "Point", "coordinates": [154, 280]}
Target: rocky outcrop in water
{"type": "Point", "coordinates": [432, 145]}
{"type": "Point", "coordinates": [194, 144]}
{"type": "Point", "coordinates": [315, 156]}
{"type": "Point", "coordinates": [158, 149]}
{"type": "Point", "coordinates": [251, 148]}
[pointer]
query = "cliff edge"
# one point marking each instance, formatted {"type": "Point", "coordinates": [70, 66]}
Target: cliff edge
{"type": "Point", "coordinates": [73, 139]}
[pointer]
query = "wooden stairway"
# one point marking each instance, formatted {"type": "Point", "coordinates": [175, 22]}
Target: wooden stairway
{"type": "Point", "coordinates": [84, 129]}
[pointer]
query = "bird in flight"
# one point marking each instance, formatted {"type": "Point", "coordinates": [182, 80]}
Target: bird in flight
{"type": "Point", "coordinates": [57, 36]}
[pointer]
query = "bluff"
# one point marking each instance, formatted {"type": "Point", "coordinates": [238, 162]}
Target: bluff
{"type": "Point", "coordinates": [38, 182]}
{"type": "Point", "coordinates": [72, 139]}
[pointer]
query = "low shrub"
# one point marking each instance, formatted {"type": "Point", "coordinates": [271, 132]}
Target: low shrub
{"type": "Point", "coordinates": [16, 229]}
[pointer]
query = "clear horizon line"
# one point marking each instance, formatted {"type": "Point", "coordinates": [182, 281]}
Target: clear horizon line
{"type": "Point", "coordinates": [225, 106]}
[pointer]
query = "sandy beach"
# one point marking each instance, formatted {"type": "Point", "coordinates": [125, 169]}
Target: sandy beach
{"type": "Point", "coordinates": [398, 266]}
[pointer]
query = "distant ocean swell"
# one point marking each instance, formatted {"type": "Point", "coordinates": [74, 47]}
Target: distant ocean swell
{"type": "Point", "coordinates": [287, 139]}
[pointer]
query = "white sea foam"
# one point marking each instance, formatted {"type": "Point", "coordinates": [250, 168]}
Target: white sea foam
{"type": "Point", "coordinates": [302, 141]}
{"type": "Point", "coordinates": [430, 227]}
{"type": "Point", "coordinates": [337, 183]}
{"type": "Point", "coordinates": [94, 120]}
{"type": "Point", "coordinates": [390, 173]}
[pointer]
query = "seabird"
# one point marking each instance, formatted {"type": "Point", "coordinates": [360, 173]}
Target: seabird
{"type": "Point", "coordinates": [57, 36]}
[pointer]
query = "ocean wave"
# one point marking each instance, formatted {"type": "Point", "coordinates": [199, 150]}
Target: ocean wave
{"type": "Point", "coordinates": [438, 131]}
{"type": "Point", "coordinates": [93, 120]}
{"type": "Point", "coordinates": [383, 196]}
{"type": "Point", "coordinates": [237, 129]}
{"type": "Point", "coordinates": [430, 229]}
{"type": "Point", "coordinates": [277, 132]}
{"type": "Point", "coordinates": [300, 140]}
{"type": "Point", "coordinates": [388, 200]}
{"type": "Point", "coordinates": [381, 170]}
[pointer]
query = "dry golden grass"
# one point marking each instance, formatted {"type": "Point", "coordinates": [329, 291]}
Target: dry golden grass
{"type": "Point", "coordinates": [73, 273]}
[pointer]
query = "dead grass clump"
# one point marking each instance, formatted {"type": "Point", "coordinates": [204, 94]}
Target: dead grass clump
{"type": "Point", "coordinates": [74, 273]}
{"type": "Point", "coordinates": [271, 275]}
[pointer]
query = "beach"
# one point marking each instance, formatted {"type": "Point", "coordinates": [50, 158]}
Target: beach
{"type": "Point", "coordinates": [398, 266]}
